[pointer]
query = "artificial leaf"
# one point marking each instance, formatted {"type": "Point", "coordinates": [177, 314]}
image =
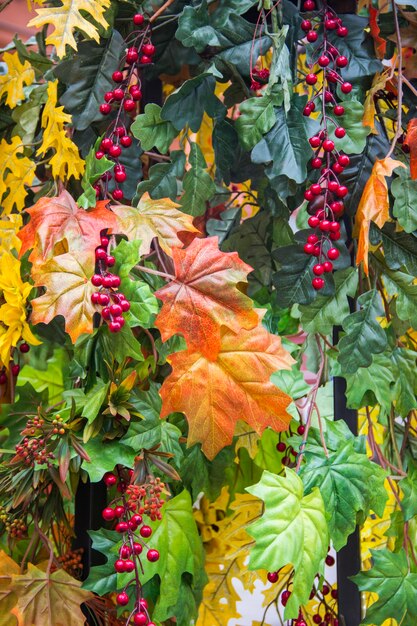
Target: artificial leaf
{"type": "Point", "coordinates": [256, 118]}
{"type": "Point", "coordinates": [373, 206]}
{"type": "Point", "coordinates": [54, 219]}
{"type": "Point", "coordinates": [11, 83]}
{"type": "Point", "coordinates": [102, 579]}
{"type": "Point", "coordinates": [27, 114]}
{"type": "Point", "coordinates": [152, 131]}
{"type": "Point", "coordinates": [162, 181]}
{"type": "Point", "coordinates": [104, 455]}
{"type": "Point", "coordinates": [67, 279]}
{"type": "Point", "coordinates": [94, 169]}
{"type": "Point", "coordinates": [215, 394]}
{"type": "Point", "coordinates": [48, 599]}
{"type": "Point", "coordinates": [16, 171]}
{"type": "Point", "coordinates": [369, 109]}
{"type": "Point", "coordinates": [9, 228]}
{"type": "Point", "coordinates": [154, 218]}
{"type": "Point", "coordinates": [8, 598]}
{"type": "Point", "coordinates": [354, 141]}
{"type": "Point", "coordinates": [411, 142]}
{"type": "Point", "coordinates": [292, 529]}
{"type": "Point", "coordinates": [199, 475]}
{"type": "Point", "coordinates": [401, 286]}
{"type": "Point", "coordinates": [67, 18]}
{"type": "Point", "coordinates": [350, 485]}
{"type": "Point", "coordinates": [404, 190]}
{"type": "Point", "coordinates": [204, 296]}
{"type": "Point", "coordinates": [409, 488]}
{"type": "Point", "coordinates": [198, 185]}
{"type": "Point", "coordinates": [400, 248]}
{"type": "Point", "coordinates": [393, 577]}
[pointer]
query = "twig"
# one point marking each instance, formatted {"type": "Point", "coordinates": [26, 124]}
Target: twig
{"type": "Point", "coordinates": [157, 157]}
{"type": "Point", "coordinates": [163, 8]}
{"type": "Point", "coordinates": [399, 130]}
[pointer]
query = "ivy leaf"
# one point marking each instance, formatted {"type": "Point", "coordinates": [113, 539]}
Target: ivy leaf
{"type": "Point", "coordinates": [195, 305]}
{"type": "Point", "coordinates": [409, 488]}
{"type": "Point", "coordinates": [292, 529]}
{"type": "Point", "coordinates": [411, 143]}
{"type": "Point", "coordinates": [54, 219]}
{"type": "Point", "coordinates": [67, 279]}
{"type": "Point", "coordinates": [162, 181]}
{"type": "Point", "coordinates": [67, 18]}
{"type": "Point", "coordinates": [214, 394]}
{"type": "Point", "coordinates": [257, 117]}
{"type": "Point", "coordinates": [12, 83]}
{"type": "Point", "coordinates": [152, 131]}
{"type": "Point", "coordinates": [195, 30]}
{"type": "Point", "coordinates": [350, 484]}
{"type": "Point", "coordinates": [154, 218]}
{"type": "Point", "coordinates": [364, 335]}
{"type": "Point", "coordinates": [404, 190]}
{"type": "Point", "coordinates": [394, 578]}
{"type": "Point", "coordinates": [48, 599]}
{"type": "Point", "coordinates": [198, 185]}
{"type": "Point", "coordinates": [354, 141]}
{"type": "Point", "coordinates": [104, 455]}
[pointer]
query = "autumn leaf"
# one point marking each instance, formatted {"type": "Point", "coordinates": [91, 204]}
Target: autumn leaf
{"type": "Point", "coordinates": [204, 296]}
{"type": "Point", "coordinates": [411, 143]}
{"type": "Point", "coordinates": [16, 171]}
{"type": "Point", "coordinates": [214, 395]}
{"type": "Point", "coordinates": [18, 75]}
{"type": "Point", "coordinates": [9, 227]}
{"type": "Point", "coordinates": [67, 18]}
{"type": "Point", "coordinates": [373, 206]}
{"type": "Point", "coordinates": [48, 599]}
{"type": "Point", "coordinates": [154, 218]}
{"type": "Point", "coordinates": [8, 598]}
{"type": "Point", "coordinates": [54, 219]}
{"type": "Point", "coordinates": [68, 292]}
{"type": "Point", "coordinates": [66, 161]}
{"type": "Point", "coordinates": [369, 112]}
{"type": "Point", "coordinates": [379, 42]}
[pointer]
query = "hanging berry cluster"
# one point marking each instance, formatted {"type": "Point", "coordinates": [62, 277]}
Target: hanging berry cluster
{"type": "Point", "coordinates": [113, 302]}
{"type": "Point", "coordinates": [325, 197]}
{"type": "Point", "coordinates": [131, 526]}
{"type": "Point", "coordinates": [41, 438]}
{"type": "Point", "coordinates": [288, 450]}
{"type": "Point", "coordinates": [123, 100]}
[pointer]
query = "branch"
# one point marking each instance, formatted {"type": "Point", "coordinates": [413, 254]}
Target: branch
{"type": "Point", "coordinates": [161, 10]}
{"type": "Point", "coordinates": [399, 129]}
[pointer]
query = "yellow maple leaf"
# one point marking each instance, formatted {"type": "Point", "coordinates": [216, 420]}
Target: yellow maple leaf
{"type": "Point", "coordinates": [16, 171]}
{"type": "Point", "coordinates": [67, 18]}
{"type": "Point", "coordinates": [66, 161]}
{"type": "Point", "coordinates": [18, 75]}
{"type": "Point", "coordinates": [9, 227]}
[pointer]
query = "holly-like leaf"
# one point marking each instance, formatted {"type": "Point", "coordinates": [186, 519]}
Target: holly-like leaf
{"type": "Point", "coordinates": [350, 484]}
{"type": "Point", "coordinates": [292, 529]}
{"type": "Point", "coordinates": [8, 598]}
{"type": "Point", "coordinates": [162, 181]}
{"type": "Point", "coordinates": [411, 143]}
{"type": "Point", "coordinates": [204, 296]}
{"type": "Point", "coordinates": [48, 599]}
{"type": "Point", "coordinates": [198, 185]}
{"type": "Point", "coordinates": [18, 74]}
{"type": "Point", "coordinates": [354, 141]}
{"type": "Point", "coordinates": [67, 18]}
{"type": "Point", "coordinates": [215, 394]}
{"type": "Point", "coordinates": [67, 279]}
{"type": "Point", "coordinates": [257, 117]}
{"type": "Point", "coordinates": [364, 335]}
{"type": "Point", "coordinates": [373, 206]}
{"type": "Point", "coordinates": [152, 131]}
{"type": "Point", "coordinates": [54, 219]}
{"type": "Point", "coordinates": [394, 578]}
{"type": "Point", "coordinates": [404, 190]}
{"type": "Point", "coordinates": [154, 218]}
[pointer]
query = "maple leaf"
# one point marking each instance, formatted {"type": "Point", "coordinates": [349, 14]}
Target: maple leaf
{"type": "Point", "coordinates": [54, 219]}
{"type": "Point", "coordinates": [9, 227]}
{"type": "Point", "coordinates": [18, 75]}
{"type": "Point", "coordinates": [214, 395]}
{"type": "Point", "coordinates": [154, 218]}
{"type": "Point", "coordinates": [379, 42]}
{"type": "Point", "coordinates": [204, 296]}
{"type": "Point", "coordinates": [67, 17]}
{"type": "Point", "coordinates": [411, 142]}
{"type": "Point", "coordinates": [16, 171]}
{"type": "Point", "coordinates": [8, 598]}
{"type": "Point", "coordinates": [373, 206]}
{"type": "Point", "coordinates": [68, 292]}
{"type": "Point", "coordinates": [48, 599]}
{"type": "Point", "coordinates": [66, 161]}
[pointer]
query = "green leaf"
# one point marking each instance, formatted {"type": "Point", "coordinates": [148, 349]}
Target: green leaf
{"type": "Point", "coordinates": [409, 488]}
{"type": "Point", "coordinates": [195, 30]}
{"type": "Point", "coordinates": [198, 474]}
{"type": "Point", "coordinates": [280, 70]}
{"type": "Point", "coordinates": [394, 578]}
{"type": "Point", "coordinates": [102, 579]}
{"type": "Point", "coordinates": [187, 105]}
{"type": "Point", "coordinates": [50, 379]}
{"type": "Point", "coordinates": [94, 168]}
{"type": "Point", "coordinates": [152, 131]}
{"type": "Point", "coordinates": [88, 76]}
{"type": "Point", "coordinates": [198, 185]}
{"type": "Point", "coordinates": [354, 141]}
{"type": "Point", "coordinates": [292, 529]}
{"type": "Point", "coordinates": [364, 335]}
{"type": "Point", "coordinates": [291, 382]}
{"type": "Point", "coordinates": [402, 286]}
{"type": "Point", "coordinates": [257, 117]}
{"type": "Point", "coordinates": [225, 145]}
{"type": "Point", "coordinates": [26, 116]}
{"type": "Point", "coordinates": [326, 312]}
{"type": "Point", "coordinates": [104, 455]}
{"type": "Point", "coordinates": [350, 484]}
{"type": "Point", "coordinates": [94, 399]}
{"type": "Point", "coordinates": [400, 248]}
{"type": "Point", "coordinates": [162, 181]}
{"type": "Point", "coordinates": [120, 345]}
{"type": "Point", "coordinates": [222, 227]}
{"type": "Point", "coordinates": [404, 190]}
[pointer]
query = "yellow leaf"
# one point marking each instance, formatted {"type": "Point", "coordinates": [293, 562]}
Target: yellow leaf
{"type": "Point", "coordinates": [369, 112]}
{"type": "Point", "coordinates": [66, 161]}
{"type": "Point", "coordinates": [67, 18]}
{"type": "Point", "coordinates": [8, 598]}
{"type": "Point", "coordinates": [16, 171]}
{"type": "Point", "coordinates": [18, 75]}
{"type": "Point", "coordinates": [9, 227]}
{"type": "Point", "coordinates": [373, 206]}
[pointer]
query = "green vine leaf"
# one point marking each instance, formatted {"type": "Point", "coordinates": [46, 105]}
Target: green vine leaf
{"type": "Point", "coordinates": [257, 117]}
{"type": "Point", "coordinates": [198, 185]}
{"type": "Point", "coordinates": [354, 141]}
{"type": "Point", "coordinates": [409, 488]}
{"type": "Point", "coordinates": [401, 286]}
{"type": "Point", "coordinates": [163, 179]}
{"type": "Point", "coordinates": [152, 131]}
{"type": "Point", "coordinates": [404, 190]}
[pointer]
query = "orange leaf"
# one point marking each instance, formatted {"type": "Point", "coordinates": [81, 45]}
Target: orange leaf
{"type": "Point", "coordinates": [68, 292]}
{"type": "Point", "coordinates": [54, 219]}
{"type": "Point", "coordinates": [204, 296]}
{"type": "Point", "coordinates": [411, 142]}
{"type": "Point", "coordinates": [8, 598]}
{"type": "Point", "coordinates": [369, 111]}
{"type": "Point", "coordinates": [379, 42]}
{"type": "Point", "coordinates": [373, 206]}
{"type": "Point", "coordinates": [214, 395]}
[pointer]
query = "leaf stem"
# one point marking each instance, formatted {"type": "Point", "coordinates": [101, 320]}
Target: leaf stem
{"type": "Point", "coordinates": [148, 270]}
{"type": "Point", "coordinates": [400, 79]}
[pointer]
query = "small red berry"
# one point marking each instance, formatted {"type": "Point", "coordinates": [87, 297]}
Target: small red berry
{"type": "Point", "coordinates": [342, 61]}
{"type": "Point", "coordinates": [121, 527]}
{"type": "Point", "coordinates": [330, 24]}
{"type": "Point", "coordinates": [105, 314]}
{"type": "Point", "coordinates": [312, 238]}
{"type": "Point", "coordinates": [335, 236]}
{"type": "Point", "coordinates": [315, 141]}
{"type": "Point", "coordinates": [137, 519]}
{"type": "Point", "coordinates": [120, 177]}
{"type": "Point", "coordinates": [342, 31]}
{"type": "Point", "coordinates": [325, 590]}
{"type": "Point", "coordinates": [125, 552]}
{"type": "Point", "coordinates": [118, 194]}
{"type": "Point", "coordinates": [328, 97]}
{"type": "Point", "coordinates": [106, 144]}
{"type": "Point", "coordinates": [115, 151]}
{"type": "Point", "coordinates": [285, 596]}
{"type": "Point", "coordinates": [333, 185]}
{"type": "Point", "coordinates": [119, 566]}
{"type": "Point", "coordinates": [316, 163]}
{"type": "Point", "coordinates": [145, 531]}
{"type": "Point", "coordinates": [24, 348]}
{"type": "Point", "coordinates": [105, 108]}
{"type": "Point", "coordinates": [328, 266]}
{"type": "Point", "coordinates": [115, 281]}
{"type": "Point", "coordinates": [137, 548]}
{"type": "Point", "coordinates": [307, 111]}
{"type": "Point", "coordinates": [109, 478]}
{"type": "Point", "coordinates": [343, 160]}
{"type": "Point", "coordinates": [119, 511]}
{"type": "Point", "coordinates": [108, 96]}
{"type": "Point", "coordinates": [309, 5]}
{"type": "Point", "coordinates": [334, 594]}
{"type": "Point", "coordinates": [328, 145]}
{"type": "Point", "coordinates": [117, 76]}
{"type": "Point", "coordinates": [138, 19]}
{"type": "Point", "coordinates": [346, 87]}
{"type": "Point", "coordinates": [129, 105]}
{"type": "Point", "coordinates": [334, 227]}
{"type": "Point", "coordinates": [323, 60]}
{"type": "Point", "coordinates": [15, 369]}
{"type": "Point", "coordinates": [308, 195]}
{"type": "Point", "coordinates": [281, 446]}
{"type": "Point", "coordinates": [115, 309]}
{"type": "Point", "coordinates": [318, 269]}
{"type": "Point", "coordinates": [342, 191]}
{"type": "Point", "coordinates": [337, 168]}
{"type": "Point", "coordinates": [340, 132]}
{"type": "Point", "coordinates": [140, 619]}
{"type": "Point", "coordinates": [318, 283]}
{"type": "Point", "coordinates": [324, 225]}
{"type": "Point", "coordinates": [313, 221]}
{"type": "Point", "coordinates": [329, 558]}
{"type": "Point", "coordinates": [114, 327]}
{"type": "Point", "coordinates": [332, 76]}
{"type": "Point", "coordinates": [316, 189]}
{"type": "Point", "coordinates": [145, 60]}
{"type": "Point", "coordinates": [308, 248]}
{"type": "Point", "coordinates": [99, 154]}
{"type": "Point", "coordinates": [125, 304]}
{"type": "Point", "coordinates": [122, 598]}
{"type": "Point", "coordinates": [129, 566]}
{"type": "Point", "coordinates": [110, 261]}
{"type": "Point", "coordinates": [312, 36]}
{"type": "Point", "coordinates": [126, 141]}
{"type": "Point", "coordinates": [311, 79]}
{"type": "Point", "coordinates": [118, 94]}
{"type": "Point", "coordinates": [152, 555]}
{"type": "Point", "coordinates": [317, 618]}
{"type": "Point", "coordinates": [107, 281]}
{"type": "Point", "coordinates": [301, 429]}
{"type": "Point", "coordinates": [108, 514]}
{"type": "Point", "coordinates": [339, 110]}
{"type": "Point", "coordinates": [306, 25]}
{"type": "Point", "coordinates": [149, 49]}
{"type": "Point", "coordinates": [333, 254]}
{"type": "Point", "coordinates": [272, 577]}
{"type": "Point", "coordinates": [103, 300]}
{"type": "Point", "coordinates": [3, 378]}
{"type": "Point", "coordinates": [143, 604]}
{"type": "Point", "coordinates": [100, 254]}
{"type": "Point", "coordinates": [132, 56]}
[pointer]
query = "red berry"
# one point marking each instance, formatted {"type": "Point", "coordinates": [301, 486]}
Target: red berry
{"type": "Point", "coordinates": [119, 511]}
{"type": "Point", "coordinates": [132, 56]}
{"type": "Point", "coordinates": [285, 596]}
{"type": "Point", "coordinates": [339, 110]}
{"type": "Point", "coordinates": [336, 207]}
{"type": "Point", "coordinates": [308, 195]}
{"type": "Point", "coordinates": [152, 556]}
{"type": "Point", "coordinates": [24, 348]}
{"type": "Point", "coordinates": [313, 221]}
{"type": "Point", "coordinates": [15, 369]}
{"type": "Point", "coordinates": [108, 96]}
{"type": "Point", "coordinates": [121, 527]}
{"type": "Point", "coordinates": [137, 519]}
{"type": "Point", "coordinates": [342, 61]}
{"type": "Point", "coordinates": [106, 144]}
{"type": "Point", "coordinates": [115, 309]}
{"type": "Point", "coordinates": [317, 618]}
{"type": "Point", "coordinates": [107, 281]}
{"type": "Point", "coordinates": [312, 36]}
{"type": "Point", "coordinates": [340, 132]}
{"type": "Point", "coordinates": [99, 154]}
{"type": "Point", "coordinates": [101, 254]}
{"type": "Point", "coordinates": [330, 24]}
{"type": "Point", "coordinates": [281, 446]}
{"type": "Point", "coordinates": [126, 141]}
{"type": "Point", "coordinates": [333, 254]}
{"type": "Point", "coordinates": [318, 269]}
{"type": "Point", "coordinates": [323, 60]}
{"type": "Point", "coordinates": [145, 60]}
{"type": "Point", "coordinates": [119, 176]}
{"type": "Point", "coordinates": [125, 552]}
{"type": "Point", "coordinates": [115, 281]}
{"type": "Point", "coordinates": [122, 598]}
{"type": "Point", "coordinates": [129, 566]}
{"type": "Point", "coordinates": [343, 160]}
{"type": "Point", "coordinates": [145, 531]}
{"type": "Point", "coordinates": [125, 304]}
{"type": "Point", "coordinates": [324, 225]}
{"type": "Point", "coordinates": [110, 261]}
{"type": "Point", "coordinates": [272, 577]}
{"type": "Point", "coordinates": [3, 378]}
{"type": "Point", "coordinates": [329, 558]}
{"type": "Point", "coordinates": [315, 141]}
{"type": "Point", "coordinates": [342, 191]}
{"type": "Point", "coordinates": [118, 94]}
{"type": "Point", "coordinates": [118, 194]}
{"type": "Point", "coordinates": [309, 248]}
{"type": "Point", "coordinates": [328, 266]}
{"type": "Point", "coordinates": [129, 105]}
{"type": "Point", "coordinates": [138, 19]}
{"type": "Point", "coordinates": [346, 87]}
{"type": "Point", "coordinates": [311, 79]}
{"type": "Point", "coordinates": [115, 151]}
{"type": "Point", "coordinates": [149, 49]}
{"type": "Point", "coordinates": [325, 590]}
{"type": "Point", "coordinates": [114, 327]}
{"type": "Point", "coordinates": [316, 163]}
{"type": "Point", "coordinates": [334, 594]}
{"type": "Point", "coordinates": [140, 619]}
{"type": "Point", "coordinates": [316, 189]}
{"type": "Point", "coordinates": [136, 94]}
{"type": "Point", "coordinates": [119, 566]}
{"type": "Point", "coordinates": [333, 185]}
{"type": "Point", "coordinates": [335, 236]}
{"type": "Point", "coordinates": [328, 97]}
{"type": "Point", "coordinates": [103, 300]}
{"type": "Point", "coordinates": [109, 478]}
{"type": "Point", "coordinates": [306, 25]}
{"type": "Point", "coordinates": [307, 111]}
{"type": "Point", "coordinates": [309, 5]}
{"type": "Point", "coordinates": [337, 168]}
{"type": "Point", "coordinates": [332, 76]}
{"type": "Point", "coordinates": [301, 429]}
{"type": "Point", "coordinates": [318, 283]}
{"type": "Point", "coordinates": [105, 108]}
{"type": "Point", "coordinates": [137, 548]}
{"type": "Point", "coordinates": [312, 238]}
{"type": "Point", "coordinates": [342, 31]}
{"type": "Point", "coordinates": [334, 227]}
{"type": "Point", "coordinates": [328, 145]}
{"type": "Point", "coordinates": [143, 604]}
{"type": "Point", "coordinates": [108, 514]}
{"type": "Point", "coordinates": [117, 76]}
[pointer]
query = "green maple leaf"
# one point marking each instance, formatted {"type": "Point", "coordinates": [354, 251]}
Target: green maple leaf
{"type": "Point", "coordinates": [350, 484]}
{"type": "Point", "coordinates": [395, 582]}
{"type": "Point", "coordinates": [293, 529]}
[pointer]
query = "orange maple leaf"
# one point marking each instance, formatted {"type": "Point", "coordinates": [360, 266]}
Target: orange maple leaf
{"type": "Point", "coordinates": [214, 395]}
{"type": "Point", "coordinates": [379, 42]}
{"type": "Point", "coordinates": [68, 292]}
{"type": "Point", "coordinates": [54, 219]}
{"type": "Point", "coordinates": [411, 143]}
{"type": "Point", "coordinates": [204, 296]}
{"type": "Point", "coordinates": [373, 206]}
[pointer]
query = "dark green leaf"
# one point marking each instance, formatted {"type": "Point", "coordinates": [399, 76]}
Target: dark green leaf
{"type": "Point", "coordinates": [404, 190]}
{"type": "Point", "coordinates": [201, 475]}
{"type": "Point", "coordinates": [162, 181]}
{"type": "Point", "coordinates": [225, 145]}
{"type": "Point", "coordinates": [257, 117]}
{"type": "Point", "coordinates": [354, 141]}
{"type": "Point", "coordinates": [400, 248]}
{"type": "Point", "coordinates": [152, 131]}
{"type": "Point", "coordinates": [198, 185]}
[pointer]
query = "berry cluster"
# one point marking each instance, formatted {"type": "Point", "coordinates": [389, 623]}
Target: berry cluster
{"type": "Point", "coordinates": [289, 451]}
{"type": "Point", "coordinates": [15, 368]}
{"type": "Point", "coordinates": [71, 562]}
{"type": "Point", "coordinates": [259, 78]}
{"type": "Point", "coordinates": [39, 440]}
{"type": "Point", "coordinates": [123, 99]}
{"type": "Point", "coordinates": [15, 527]}
{"type": "Point", "coordinates": [135, 532]}
{"type": "Point", "coordinates": [325, 197]}
{"type": "Point", "coordinates": [145, 498]}
{"type": "Point", "coordinates": [113, 302]}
